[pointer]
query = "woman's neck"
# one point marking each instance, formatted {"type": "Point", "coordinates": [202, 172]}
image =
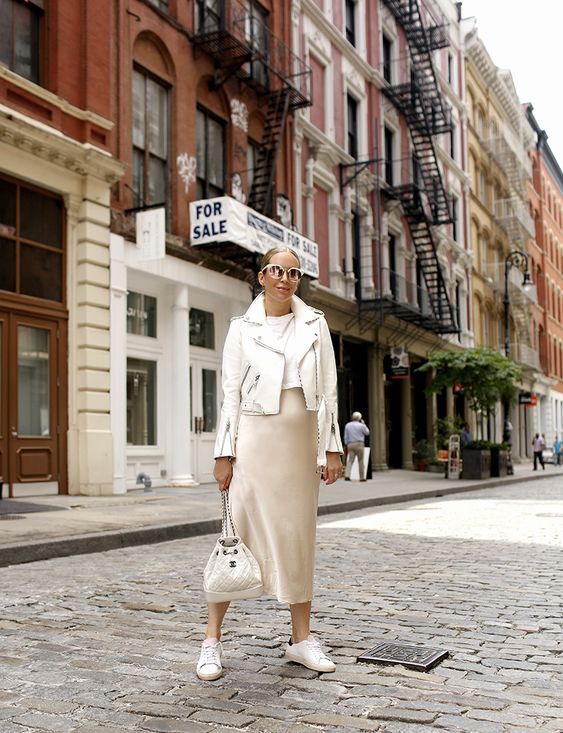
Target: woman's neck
{"type": "Point", "coordinates": [273, 308]}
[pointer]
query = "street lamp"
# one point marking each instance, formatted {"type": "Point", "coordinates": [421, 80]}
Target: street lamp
{"type": "Point", "coordinates": [517, 259]}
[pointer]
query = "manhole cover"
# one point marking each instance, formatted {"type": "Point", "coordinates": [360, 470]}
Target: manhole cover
{"type": "Point", "coordinates": [11, 516]}
{"type": "Point", "coordinates": [421, 658]}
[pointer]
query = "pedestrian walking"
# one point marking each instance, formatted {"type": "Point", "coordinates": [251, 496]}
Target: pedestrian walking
{"type": "Point", "coordinates": [355, 433]}
{"type": "Point", "coordinates": [538, 444]}
{"type": "Point", "coordinates": [278, 434]}
{"type": "Point", "coordinates": [557, 451]}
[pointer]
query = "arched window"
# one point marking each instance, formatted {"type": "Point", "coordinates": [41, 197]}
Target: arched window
{"type": "Point", "coordinates": [152, 83]}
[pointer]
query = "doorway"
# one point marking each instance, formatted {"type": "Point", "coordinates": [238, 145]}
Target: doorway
{"type": "Point", "coordinates": [204, 409]}
{"type": "Point", "coordinates": [32, 415]}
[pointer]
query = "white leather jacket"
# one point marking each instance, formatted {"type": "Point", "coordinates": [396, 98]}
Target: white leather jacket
{"type": "Point", "coordinates": [253, 367]}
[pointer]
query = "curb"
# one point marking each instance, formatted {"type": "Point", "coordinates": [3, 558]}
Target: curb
{"type": "Point", "coordinates": [84, 544]}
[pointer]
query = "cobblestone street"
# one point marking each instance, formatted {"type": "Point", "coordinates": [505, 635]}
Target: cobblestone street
{"type": "Point", "coordinates": [108, 641]}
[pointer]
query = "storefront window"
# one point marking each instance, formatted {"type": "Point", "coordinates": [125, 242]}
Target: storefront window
{"type": "Point", "coordinates": [31, 241]}
{"type": "Point", "coordinates": [202, 329]}
{"type": "Point", "coordinates": [141, 402]}
{"type": "Point", "coordinates": [141, 314]}
{"type": "Point", "coordinates": [209, 398]}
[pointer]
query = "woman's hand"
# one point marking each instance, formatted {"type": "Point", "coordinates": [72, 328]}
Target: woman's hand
{"type": "Point", "coordinates": [223, 472]}
{"type": "Point", "coordinates": [333, 468]}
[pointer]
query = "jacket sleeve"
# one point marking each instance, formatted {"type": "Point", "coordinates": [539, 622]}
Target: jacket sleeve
{"type": "Point", "coordinates": [230, 409]}
{"type": "Point", "coordinates": [333, 442]}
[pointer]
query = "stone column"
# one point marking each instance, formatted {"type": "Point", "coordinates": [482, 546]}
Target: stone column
{"type": "Point", "coordinates": [118, 363]}
{"type": "Point", "coordinates": [406, 422]}
{"type": "Point", "coordinates": [90, 451]}
{"type": "Point", "coordinates": [181, 474]}
{"type": "Point", "coordinates": [378, 424]}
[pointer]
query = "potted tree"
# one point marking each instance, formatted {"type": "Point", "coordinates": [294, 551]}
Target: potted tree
{"type": "Point", "coordinates": [486, 378]}
{"type": "Point", "coordinates": [423, 454]}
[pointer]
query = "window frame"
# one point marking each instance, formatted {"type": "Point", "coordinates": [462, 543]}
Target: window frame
{"type": "Point", "coordinates": [141, 200]}
{"type": "Point", "coordinates": [351, 33]}
{"type": "Point", "coordinates": [37, 7]}
{"type": "Point", "coordinates": [210, 115]}
{"type": "Point", "coordinates": [20, 240]}
{"type": "Point", "coordinates": [352, 136]}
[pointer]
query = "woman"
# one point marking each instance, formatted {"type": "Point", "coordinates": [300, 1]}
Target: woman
{"type": "Point", "coordinates": [277, 435]}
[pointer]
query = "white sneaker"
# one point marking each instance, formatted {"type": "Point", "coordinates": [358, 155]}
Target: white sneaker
{"type": "Point", "coordinates": [209, 666]}
{"type": "Point", "coordinates": [310, 655]}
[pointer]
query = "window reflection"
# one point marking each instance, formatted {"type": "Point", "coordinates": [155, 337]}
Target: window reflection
{"type": "Point", "coordinates": [141, 402]}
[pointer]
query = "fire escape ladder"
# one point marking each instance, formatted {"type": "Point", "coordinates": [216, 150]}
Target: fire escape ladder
{"type": "Point", "coordinates": [261, 193]}
{"type": "Point", "coordinates": [425, 200]}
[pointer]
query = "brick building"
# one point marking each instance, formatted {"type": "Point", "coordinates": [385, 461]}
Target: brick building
{"type": "Point", "coordinates": [56, 173]}
{"type": "Point", "coordinates": [546, 202]}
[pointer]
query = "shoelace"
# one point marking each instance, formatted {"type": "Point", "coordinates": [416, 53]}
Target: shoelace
{"type": "Point", "coordinates": [315, 646]}
{"type": "Point", "coordinates": [210, 655]}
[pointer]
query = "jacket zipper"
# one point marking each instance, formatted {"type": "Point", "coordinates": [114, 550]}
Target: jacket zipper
{"type": "Point", "coordinates": [253, 384]}
{"type": "Point", "coordinates": [266, 346]}
{"type": "Point", "coordinates": [244, 378]}
{"type": "Point", "coordinates": [227, 430]}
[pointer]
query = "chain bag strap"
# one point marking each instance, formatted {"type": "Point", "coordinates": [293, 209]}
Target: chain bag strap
{"type": "Point", "coordinates": [232, 571]}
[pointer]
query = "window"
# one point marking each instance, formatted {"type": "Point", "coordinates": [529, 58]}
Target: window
{"type": "Point", "coordinates": [387, 50]}
{"type": "Point", "coordinates": [455, 213]}
{"type": "Point", "coordinates": [458, 303]}
{"type": "Point", "coordinates": [252, 153]}
{"type": "Point", "coordinates": [210, 155]}
{"type": "Point", "coordinates": [141, 314]}
{"type": "Point", "coordinates": [482, 187]}
{"type": "Point", "coordinates": [351, 21]}
{"type": "Point", "coordinates": [141, 402]}
{"type": "Point", "coordinates": [393, 284]}
{"type": "Point", "coordinates": [257, 35]}
{"type": "Point", "coordinates": [450, 69]}
{"type": "Point", "coordinates": [150, 140]}
{"type": "Point", "coordinates": [20, 37]}
{"type": "Point", "coordinates": [31, 244]}
{"type": "Point", "coordinates": [209, 15]}
{"type": "Point", "coordinates": [202, 329]}
{"type": "Point", "coordinates": [452, 142]}
{"type": "Point", "coordinates": [388, 143]}
{"type": "Point", "coordinates": [356, 254]}
{"type": "Point", "coordinates": [352, 107]}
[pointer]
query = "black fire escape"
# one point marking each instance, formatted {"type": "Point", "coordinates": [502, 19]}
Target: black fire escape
{"type": "Point", "coordinates": [242, 46]}
{"type": "Point", "coordinates": [424, 199]}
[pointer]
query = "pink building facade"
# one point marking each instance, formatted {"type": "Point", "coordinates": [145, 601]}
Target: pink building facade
{"type": "Point", "coordinates": [381, 186]}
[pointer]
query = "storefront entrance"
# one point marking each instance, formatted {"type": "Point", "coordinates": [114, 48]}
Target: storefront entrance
{"type": "Point", "coordinates": [205, 386]}
{"type": "Point", "coordinates": [32, 413]}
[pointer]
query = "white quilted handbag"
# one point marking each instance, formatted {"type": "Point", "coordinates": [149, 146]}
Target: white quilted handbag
{"type": "Point", "coordinates": [232, 572]}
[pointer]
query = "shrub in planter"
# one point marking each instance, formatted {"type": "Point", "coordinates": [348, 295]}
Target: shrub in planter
{"type": "Point", "coordinates": [476, 457]}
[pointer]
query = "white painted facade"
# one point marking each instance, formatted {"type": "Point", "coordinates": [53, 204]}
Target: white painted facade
{"type": "Point", "coordinates": [181, 453]}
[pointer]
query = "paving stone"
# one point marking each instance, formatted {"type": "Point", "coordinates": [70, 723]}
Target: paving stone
{"type": "Point", "coordinates": [403, 714]}
{"type": "Point", "coordinates": [216, 716]}
{"type": "Point", "coordinates": [341, 721]}
{"type": "Point", "coordinates": [459, 723]}
{"type": "Point", "coordinates": [167, 725]}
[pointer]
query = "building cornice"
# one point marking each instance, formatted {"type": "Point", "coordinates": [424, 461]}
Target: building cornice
{"type": "Point", "coordinates": [84, 115]}
{"type": "Point", "coordinates": [34, 137]}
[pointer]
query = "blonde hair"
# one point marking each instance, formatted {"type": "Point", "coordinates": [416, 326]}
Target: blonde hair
{"type": "Point", "coordinates": [276, 251]}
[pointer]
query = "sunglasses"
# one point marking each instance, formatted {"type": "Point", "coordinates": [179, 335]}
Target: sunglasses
{"type": "Point", "coordinates": [294, 274]}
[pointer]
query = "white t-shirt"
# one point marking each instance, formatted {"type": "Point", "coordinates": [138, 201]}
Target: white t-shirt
{"type": "Point", "coordinates": [283, 328]}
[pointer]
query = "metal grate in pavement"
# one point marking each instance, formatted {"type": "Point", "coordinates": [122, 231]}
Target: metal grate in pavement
{"type": "Point", "coordinates": [421, 658]}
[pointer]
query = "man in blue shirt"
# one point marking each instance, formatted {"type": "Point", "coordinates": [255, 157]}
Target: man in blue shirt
{"type": "Point", "coordinates": [355, 433]}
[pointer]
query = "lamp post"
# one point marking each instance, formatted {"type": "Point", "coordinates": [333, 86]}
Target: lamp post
{"type": "Point", "coordinates": [517, 259]}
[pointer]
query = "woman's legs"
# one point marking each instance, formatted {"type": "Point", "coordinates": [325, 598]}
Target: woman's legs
{"type": "Point", "coordinates": [216, 614]}
{"type": "Point", "coordinates": [300, 621]}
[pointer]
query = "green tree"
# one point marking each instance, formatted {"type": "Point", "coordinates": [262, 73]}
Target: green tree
{"type": "Point", "coordinates": [485, 376]}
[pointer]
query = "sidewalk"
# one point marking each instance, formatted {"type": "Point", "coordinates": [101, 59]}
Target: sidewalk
{"type": "Point", "coordinates": [57, 526]}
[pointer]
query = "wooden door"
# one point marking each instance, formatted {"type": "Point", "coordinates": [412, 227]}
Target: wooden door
{"type": "Point", "coordinates": [30, 426]}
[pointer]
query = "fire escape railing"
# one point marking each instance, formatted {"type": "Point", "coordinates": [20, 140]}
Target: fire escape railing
{"type": "Point", "coordinates": [425, 201]}
{"type": "Point", "coordinates": [242, 45]}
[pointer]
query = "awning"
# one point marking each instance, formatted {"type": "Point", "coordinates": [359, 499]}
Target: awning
{"type": "Point", "coordinates": [224, 219]}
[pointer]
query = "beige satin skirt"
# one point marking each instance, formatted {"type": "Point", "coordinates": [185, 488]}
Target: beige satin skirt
{"type": "Point", "coordinates": [274, 495]}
